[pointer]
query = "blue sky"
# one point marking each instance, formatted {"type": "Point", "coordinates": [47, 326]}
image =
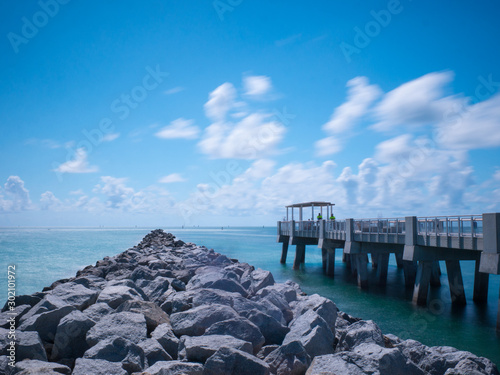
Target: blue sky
{"type": "Point", "coordinates": [222, 112]}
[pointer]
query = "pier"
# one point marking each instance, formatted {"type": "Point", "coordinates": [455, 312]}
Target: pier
{"type": "Point", "coordinates": [418, 244]}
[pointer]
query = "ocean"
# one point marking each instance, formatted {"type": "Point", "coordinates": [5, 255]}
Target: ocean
{"type": "Point", "coordinates": [43, 255]}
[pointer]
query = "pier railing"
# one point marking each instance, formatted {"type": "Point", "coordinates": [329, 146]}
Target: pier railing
{"type": "Point", "coordinates": [380, 226]}
{"type": "Point", "coordinates": [455, 226]}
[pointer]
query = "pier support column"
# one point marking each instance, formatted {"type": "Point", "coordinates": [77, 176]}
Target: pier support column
{"type": "Point", "coordinates": [481, 284]}
{"type": "Point", "coordinates": [374, 260]}
{"type": "Point", "coordinates": [436, 272]}
{"type": "Point", "coordinates": [330, 262]}
{"type": "Point", "coordinates": [410, 271]}
{"type": "Point", "coordinates": [347, 260]}
{"type": "Point", "coordinates": [362, 269]}
{"type": "Point", "coordinates": [284, 252]}
{"type": "Point", "coordinates": [399, 259]}
{"type": "Point", "coordinates": [382, 268]}
{"type": "Point", "coordinates": [300, 254]}
{"type": "Point", "coordinates": [456, 282]}
{"type": "Point", "coordinates": [422, 281]}
{"type": "Point", "coordinates": [324, 255]}
{"type": "Point", "coordinates": [498, 314]}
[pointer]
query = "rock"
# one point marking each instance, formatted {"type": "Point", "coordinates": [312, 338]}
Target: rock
{"type": "Point", "coordinates": [273, 331]}
{"type": "Point", "coordinates": [70, 336]}
{"type": "Point", "coordinates": [115, 295]}
{"type": "Point", "coordinates": [142, 273]}
{"type": "Point", "coordinates": [16, 313]}
{"type": "Point", "coordinates": [98, 310]}
{"type": "Point", "coordinates": [178, 285]}
{"type": "Point", "coordinates": [24, 299]}
{"type": "Point", "coordinates": [243, 305]}
{"type": "Point", "coordinates": [322, 306]}
{"type": "Point", "coordinates": [118, 349]}
{"type": "Point", "coordinates": [274, 297]}
{"type": "Point", "coordinates": [240, 328]}
{"type": "Point", "coordinates": [291, 358]}
{"type": "Point", "coordinates": [155, 289]}
{"type": "Point", "coordinates": [228, 361]}
{"type": "Point", "coordinates": [5, 369]}
{"type": "Point", "coordinates": [46, 323]}
{"type": "Point", "coordinates": [48, 303]}
{"type": "Point", "coordinates": [257, 280]}
{"type": "Point", "coordinates": [127, 325]}
{"type": "Point", "coordinates": [34, 366]}
{"type": "Point", "coordinates": [75, 295]}
{"type": "Point", "coordinates": [153, 313]}
{"type": "Point", "coordinates": [288, 290]}
{"type": "Point", "coordinates": [313, 332]}
{"type": "Point", "coordinates": [174, 368]}
{"type": "Point", "coordinates": [364, 331]}
{"type": "Point", "coordinates": [203, 297]}
{"type": "Point", "coordinates": [29, 346]}
{"type": "Point", "coordinates": [216, 280]}
{"type": "Point", "coordinates": [167, 339]}
{"type": "Point", "coordinates": [154, 352]}
{"type": "Point", "coordinates": [199, 348]}
{"type": "Point", "coordinates": [265, 350]}
{"type": "Point", "coordinates": [195, 321]}
{"type": "Point", "coordinates": [91, 282]}
{"type": "Point", "coordinates": [470, 367]}
{"type": "Point", "coordinates": [85, 366]}
{"type": "Point", "coordinates": [177, 302]}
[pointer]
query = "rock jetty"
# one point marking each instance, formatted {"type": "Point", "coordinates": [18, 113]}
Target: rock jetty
{"type": "Point", "coordinates": [169, 307]}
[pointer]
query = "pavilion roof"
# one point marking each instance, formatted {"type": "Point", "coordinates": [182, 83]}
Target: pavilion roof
{"type": "Point", "coordinates": [310, 204]}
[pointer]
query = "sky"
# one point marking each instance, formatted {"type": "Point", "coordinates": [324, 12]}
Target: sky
{"type": "Point", "coordinates": [210, 113]}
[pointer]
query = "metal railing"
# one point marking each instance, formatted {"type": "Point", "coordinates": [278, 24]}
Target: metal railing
{"type": "Point", "coordinates": [380, 226]}
{"type": "Point", "coordinates": [335, 225]}
{"type": "Point", "coordinates": [458, 226]}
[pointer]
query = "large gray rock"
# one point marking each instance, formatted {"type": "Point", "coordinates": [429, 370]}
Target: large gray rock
{"type": "Point", "coordinates": [469, 367]}
{"type": "Point", "coordinates": [115, 295]}
{"type": "Point", "coordinates": [199, 348]}
{"type": "Point", "coordinates": [153, 313]}
{"type": "Point", "coordinates": [98, 310]}
{"type": "Point", "coordinates": [273, 331]}
{"type": "Point", "coordinates": [288, 359]}
{"type": "Point", "coordinates": [46, 323]}
{"type": "Point", "coordinates": [272, 296]}
{"type": "Point", "coordinates": [289, 290]}
{"type": "Point", "coordinates": [154, 352]}
{"type": "Point", "coordinates": [174, 368]}
{"type": "Point", "coordinates": [367, 358]}
{"type": "Point", "coordinates": [91, 282]}
{"type": "Point", "coordinates": [203, 297]}
{"type": "Point", "coordinates": [364, 331]}
{"type": "Point", "coordinates": [34, 366]}
{"type": "Point", "coordinates": [29, 346]}
{"type": "Point", "coordinates": [117, 349]}
{"type": "Point", "coordinates": [70, 336]}
{"type": "Point", "coordinates": [195, 321]}
{"type": "Point", "coordinates": [23, 299]}
{"type": "Point", "coordinates": [240, 328]}
{"type": "Point", "coordinates": [321, 305]}
{"type": "Point", "coordinates": [130, 326]}
{"type": "Point", "coordinates": [167, 339]}
{"type": "Point", "coordinates": [228, 361]}
{"type": "Point", "coordinates": [178, 302]}
{"type": "Point", "coordinates": [313, 332]}
{"type": "Point", "coordinates": [85, 366]}
{"type": "Point", "coordinates": [216, 280]}
{"type": "Point", "coordinates": [243, 305]}
{"type": "Point", "coordinates": [257, 280]}
{"type": "Point", "coordinates": [75, 295]}
{"type": "Point", "coordinates": [16, 313]}
{"type": "Point", "coordinates": [48, 303]}
{"type": "Point", "coordinates": [156, 288]}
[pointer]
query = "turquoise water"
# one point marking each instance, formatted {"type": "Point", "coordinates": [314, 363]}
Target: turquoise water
{"type": "Point", "coordinates": [44, 255]}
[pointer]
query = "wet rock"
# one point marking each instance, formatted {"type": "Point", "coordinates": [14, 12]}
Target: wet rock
{"type": "Point", "coordinates": [199, 348]}
{"type": "Point", "coordinates": [126, 325]}
{"type": "Point", "coordinates": [228, 361]}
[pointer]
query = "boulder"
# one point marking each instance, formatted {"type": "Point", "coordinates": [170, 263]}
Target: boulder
{"type": "Point", "coordinates": [243, 305]}
{"type": "Point", "coordinates": [178, 285]}
{"type": "Point", "coordinates": [156, 288]}
{"type": "Point", "coordinates": [115, 295]}
{"type": "Point", "coordinates": [118, 349]}
{"type": "Point", "coordinates": [16, 313]}
{"type": "Point", "coordinates": [266, 350]}
{"type": "Point", "coordinates": [289, 290]}
{"type": "Point", "coordinates": [75, 295]}
{"type": "Point", "coordinates": [177, 302]}
{"type": "Point", "coordinates": [240, 328]}
{"type": "Point", "coordinates": [23, 299]}
{"type": "Point", "coordinates": [70, 336]}
{"type": "Point", "coordinates": [228, 361]}
{"type": "Point", "coordinates": [273, 331]}
{"type": "Point", "coordinates": [130, 326]}
{"type": "Point", "coordinates": [195, 321]}
{"type": "Point", "coordinates": [173, 368]}
{"type": "Point", "coordinates": [29, 346]}
{"type": "Point", "coordinates": [46, 323]}
{"type": "Point", "coordinates": [48, 303]}
{"type": "Point", "coordinates": [91, 282]}
{"type": "Point", "coordinates": [256, 280]}
{"type": "Point", "coordinates": [154, 352]}
{"type": "Point", "coordinates": [364, 331]}
{"type": "Point", "coordinates": [167, 339]}
{"type": "Point", "coordinates": [98, 310]}
{"type": "Point", "coordinates": [288, 359]}
{"type": "Point", "coordinates": [216, 280]}
{"type": "Point", "coordinates": [321, 305]}
{"type": "Point", "coordinates": [272, 296]}
{"type": "Point", "coordinates": [199, 348]}
{"type": "Point", "coordinates": [313, 332]}
{"type": "Point", "coordinates": [34, 366]}
{"type": "Point", "coordinates": [85, 366]}
{"type": "Point", "coordinates": [153, 313]}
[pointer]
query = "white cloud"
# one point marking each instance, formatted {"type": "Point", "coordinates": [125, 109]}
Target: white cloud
{"type": "Point", "coordinates": [418, 102]}
{"type": "Point", "coordinates": [110, 137]}
{"type": "Point", "coordinates": [255, 136]}
{"type": "Point", "coordinates": [48, 201]}
{"type": "Point", "coordinates": [257, 85]}
{"type": "Point", "coordinates": [220, 101]}
{"type": "Point", "coordinates": [328, 146]}
{"type": "Point", "coordinates": [174, 90]}
{"type": "Point", "coordinates": [78, 165]}
{"type": "Point", "coordinates": [179, 128]}
{"type": "Point", "coordinates": [174, 177]}
{"type": "Point", "coordinates": [17, 197]}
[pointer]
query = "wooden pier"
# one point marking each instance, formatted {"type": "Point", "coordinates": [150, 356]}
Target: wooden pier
{"type": "Point", "coordinates": [418, 243]}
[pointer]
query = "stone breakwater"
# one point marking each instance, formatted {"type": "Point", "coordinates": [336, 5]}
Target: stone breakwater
{"type": "Point", "coordinates": [169, 307]}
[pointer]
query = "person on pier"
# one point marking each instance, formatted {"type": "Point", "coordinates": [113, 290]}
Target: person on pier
{"type": "Point", "coordinates": [320, 217]}
{"type": "Point", "coordinates": [332, 217]}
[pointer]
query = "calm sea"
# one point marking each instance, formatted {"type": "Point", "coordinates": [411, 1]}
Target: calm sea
{"type": "Point", "coordinates": [43, 255]}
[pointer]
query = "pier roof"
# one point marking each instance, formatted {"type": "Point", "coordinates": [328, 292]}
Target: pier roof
{"type": "Point", "coordinates": [311, 204]}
